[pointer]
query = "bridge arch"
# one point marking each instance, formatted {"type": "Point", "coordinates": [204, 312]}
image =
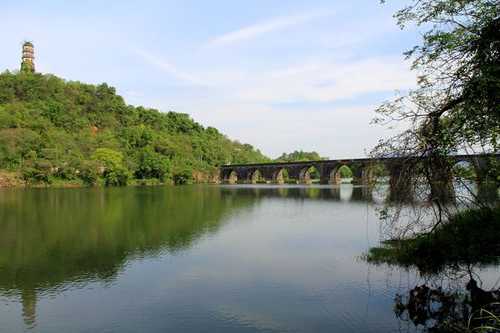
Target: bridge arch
{"type": "Point", "coordinates": [231, 177]}
{"type": "Point", "coordinates": [375, 172]}
{"type": "Point", "coordinates": [473, 174]}
{"type": "Point", "coordinates": [280, 176]}
{"type": "Point", "coordinates": [255, 176]}
{"type": "Point", "coordinates": [309, 174]}
{"type": "Point", "coordinates": [342, 171]}
{"type": "Point", "coordinates": [464, 170]}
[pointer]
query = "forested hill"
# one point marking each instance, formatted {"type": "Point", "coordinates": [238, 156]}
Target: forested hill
{"type": "Point", "coordinates": [52, 130]}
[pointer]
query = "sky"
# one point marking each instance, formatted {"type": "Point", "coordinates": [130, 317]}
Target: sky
{"type": "Point", "coordinates": [280, 75]}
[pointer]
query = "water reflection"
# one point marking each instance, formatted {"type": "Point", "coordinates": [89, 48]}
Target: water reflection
{"type": "Point", "coordinates": [55, 239]}
{"type": "Point", "coordinates": [343, 192]}
{"type": "Point", "coordinates": [216, 258]}
{"type": "Point", "coordinates": [438, 306]}
{"type": "Point", "coordinates": [450, 264]}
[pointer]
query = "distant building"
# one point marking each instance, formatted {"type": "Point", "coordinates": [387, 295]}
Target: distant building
{"type": "Point", "coordinates": [28, 58]}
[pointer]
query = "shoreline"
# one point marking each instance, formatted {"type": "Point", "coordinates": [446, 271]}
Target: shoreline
{"type": "Point", "coordinates": [12, 180]}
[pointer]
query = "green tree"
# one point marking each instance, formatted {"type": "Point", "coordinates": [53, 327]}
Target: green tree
{"type": "Point", "coordinates": [457, 102]}
{"type": "Point", "coordinates": [456, 105]}
{"type": "Point", "coordinates": [345, 172]}
{"type": "Point", "coordinates": [153, 165]}
{"type": "Point", "coordinates": [300, 156]}
{"type": "Point", "coordinates": [67, 123]}
{"type": "Point", "coordinates": [113, 170]}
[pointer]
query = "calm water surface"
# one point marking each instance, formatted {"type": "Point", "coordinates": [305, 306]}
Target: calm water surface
{"type": "Point", "coordinates": [195, 259]}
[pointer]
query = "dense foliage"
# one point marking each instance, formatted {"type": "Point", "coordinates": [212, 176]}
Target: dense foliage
{"type": "Point", "coordinates": [52, 130]}
{"type": "Point", "coordinates": [455, 107]}
{"type": "Point", "coordinates": [300, 156]}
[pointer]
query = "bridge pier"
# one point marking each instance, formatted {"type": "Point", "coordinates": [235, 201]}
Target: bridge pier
{"type": "Point", "coordinates": [440, 178]}
{"type": "Point", "coordinates": [400, 186]}
{"type": "Point", "coordinates": [325, 171]}
{"type": "Point", "coordinates": [487, 191]}
{"type": "Point", "coordinates": [487, 181]}
{"type": "Point", "coordinates": [368, 176]}
{"type": "Point", "coordinates": [487, 170]}
{"type": "Point", "coordinates": [294, 173]}
{"type": "Point", "coordinates": [357, 173]}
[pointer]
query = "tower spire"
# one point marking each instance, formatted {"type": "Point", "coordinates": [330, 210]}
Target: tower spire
{"type": "Point", "coordinates": [28, 58]}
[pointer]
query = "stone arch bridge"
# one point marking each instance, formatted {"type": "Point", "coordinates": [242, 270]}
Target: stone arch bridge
{"type": "Point", "coordinates": [362, 169]}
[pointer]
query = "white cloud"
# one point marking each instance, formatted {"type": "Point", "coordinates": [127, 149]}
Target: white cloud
{"type": "Point", "coordinates": [169, 68]}
{"type": "Point", "coordinates": [318, 81]}
{"type": "Point", "coordinates": [271, 25]}
{"type": "Point", "coordinates": [329, 81]}
{"type": "Point", "coordinates": [336, 131]}
{"type": "Point", "coordinates": [244, 104]}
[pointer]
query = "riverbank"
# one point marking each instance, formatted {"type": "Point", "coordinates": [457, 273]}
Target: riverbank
{"type": "Point", "coordinates": [468, 237]}
{"type": "Point", "coordinates": [11, 179]}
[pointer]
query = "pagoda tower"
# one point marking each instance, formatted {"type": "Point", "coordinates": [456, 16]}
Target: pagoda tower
{"type": "Point", "coordinates": [28, 58]}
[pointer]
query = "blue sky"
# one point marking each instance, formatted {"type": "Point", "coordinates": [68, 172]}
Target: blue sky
{"type": "Point", "coordinates": [280, 75]}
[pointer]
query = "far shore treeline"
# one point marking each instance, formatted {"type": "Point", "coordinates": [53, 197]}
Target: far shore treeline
{"type": "Point", "coordinates": [57, 132]}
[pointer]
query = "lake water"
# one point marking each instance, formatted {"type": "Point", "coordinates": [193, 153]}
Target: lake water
{"type": "Point", "coordinates": [196, 259]}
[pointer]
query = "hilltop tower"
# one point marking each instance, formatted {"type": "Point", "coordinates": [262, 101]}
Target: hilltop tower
{"type": "Point", "coordinates": [28, 58]}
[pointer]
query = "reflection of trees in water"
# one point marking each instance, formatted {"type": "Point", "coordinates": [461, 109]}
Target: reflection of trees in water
{"type": "Point", "coordinates": [54, 238]}
{"type": "Point", "coordinates": [450, 298]}
{"type": "Point", "coordinates": [433, 308]}
{"type": "Point", "coordinates": [28, 299]}
{"type": "Point", "coordinates": [442, 254]}
{"type": "Point", "coordinates": [51, 238]}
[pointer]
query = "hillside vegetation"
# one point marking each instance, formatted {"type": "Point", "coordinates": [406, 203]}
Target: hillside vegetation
{"type": "Point", "coordinates": [55, 131]}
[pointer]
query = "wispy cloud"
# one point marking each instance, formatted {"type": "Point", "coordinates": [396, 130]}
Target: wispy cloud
{"type": "Point", "coordinates": [328, 82]}
{"type": "Point", "coordinates": [319, 80]}
{"type": "Point", "coordinates": [168, 67]}
{"type": "Point", "coordinates": [275, 24]}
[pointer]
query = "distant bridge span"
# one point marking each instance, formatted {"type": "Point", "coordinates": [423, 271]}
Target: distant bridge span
{"type": "Point", "coordinates": [362, 169]}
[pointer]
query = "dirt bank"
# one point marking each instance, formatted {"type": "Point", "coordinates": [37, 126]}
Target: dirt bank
{"type": "Point", "coordinates": [10, 179]}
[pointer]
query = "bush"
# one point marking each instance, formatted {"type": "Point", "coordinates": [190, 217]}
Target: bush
{"type": "Point", "coordinates": [87, 172]}
{"type": "Point", "coordinates": [116, 177]}
{"type": "Point", "coordinates": [34, 175]}
{"type": "Point", "coordinates": [182, 177]}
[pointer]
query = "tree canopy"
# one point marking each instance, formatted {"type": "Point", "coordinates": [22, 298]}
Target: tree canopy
{"type": "Point", "coordinates": [300, 156]}
{"type": "Point", "coordinates": [52, 130]}
{"type": "Point", "coordinates": [455, 107]}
